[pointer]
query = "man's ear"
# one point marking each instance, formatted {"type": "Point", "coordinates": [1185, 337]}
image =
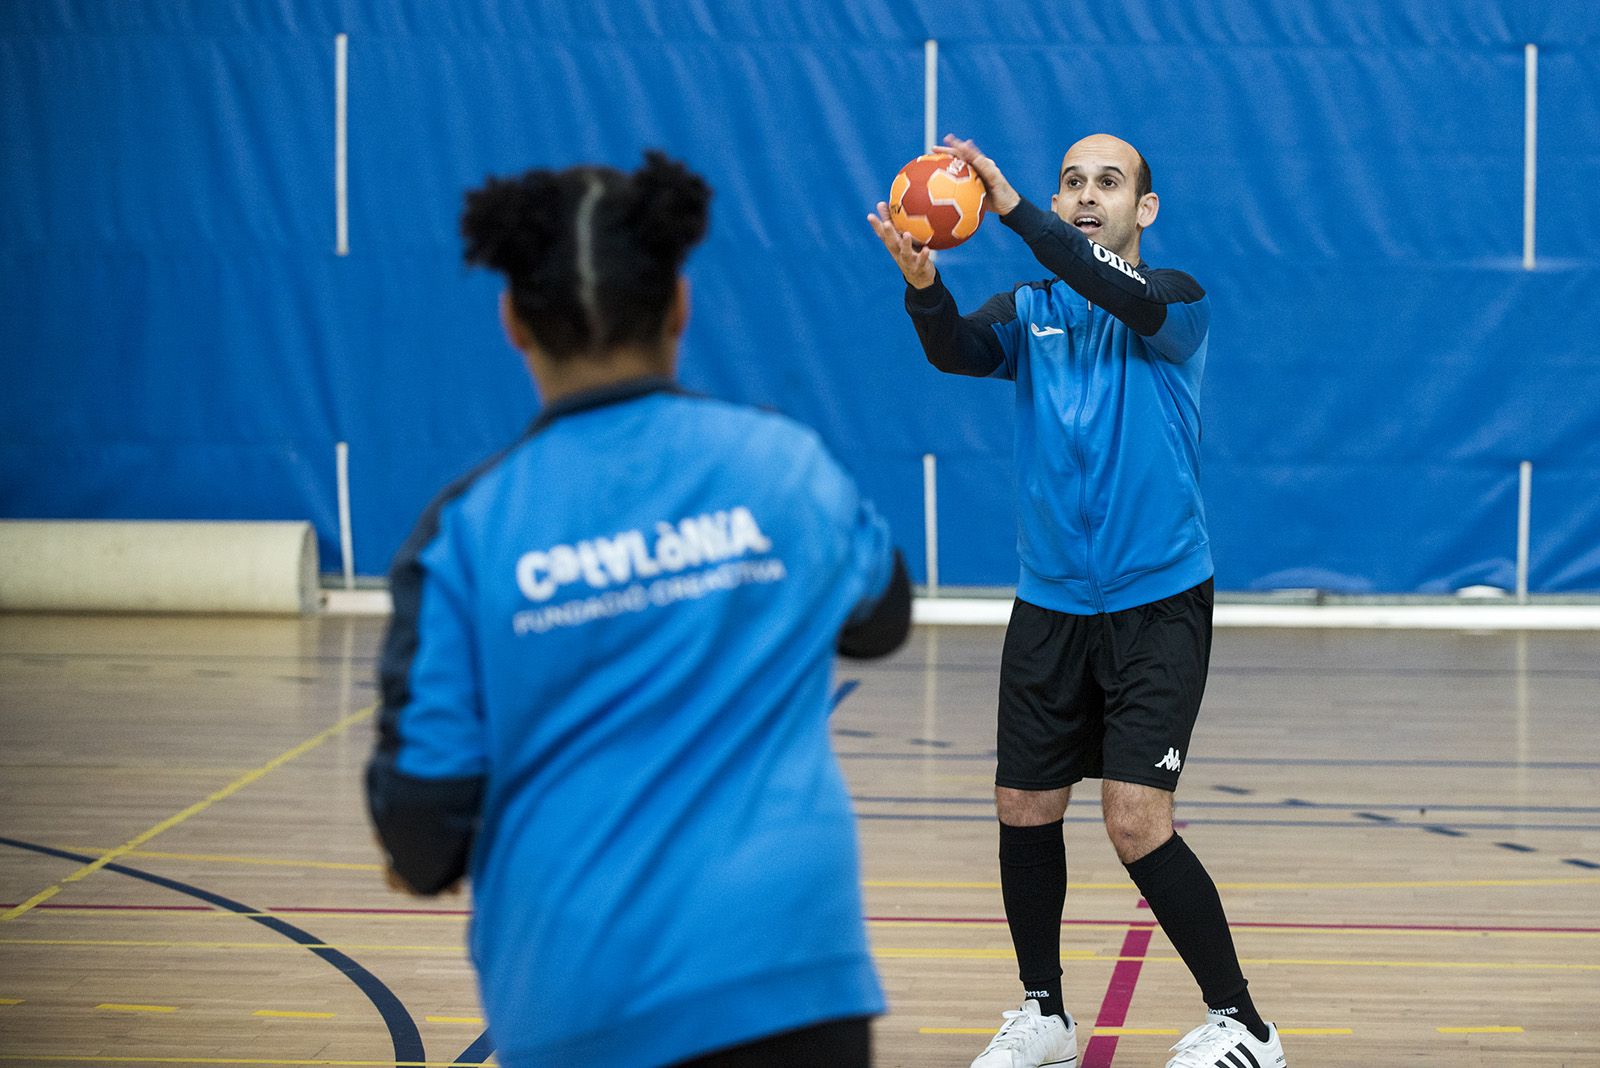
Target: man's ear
{"type": "Point", "coordinates": [1149, 205]}
{"type": "Point", "coordinates": [678, 311]}
{"type": "Point", "coordinates": [517, 332]}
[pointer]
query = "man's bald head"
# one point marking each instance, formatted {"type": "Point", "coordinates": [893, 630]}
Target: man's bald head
{"type": "Point", "coordinates": [1110, 150]}
{"type": "Point", "coordinates": [1104, 191]}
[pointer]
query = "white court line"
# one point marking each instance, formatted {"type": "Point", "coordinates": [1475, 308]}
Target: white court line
{"type": "Point", "coordinates": [996, 612]}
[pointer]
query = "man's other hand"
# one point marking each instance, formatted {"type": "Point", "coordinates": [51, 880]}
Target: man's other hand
{"type": "Point", "coordinates": [1002, 198]}
{"type": "Point", "coordinates": [915, 261]}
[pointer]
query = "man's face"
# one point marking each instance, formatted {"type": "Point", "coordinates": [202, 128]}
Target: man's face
{"type": "Point", "coordinates": [1097, 194]}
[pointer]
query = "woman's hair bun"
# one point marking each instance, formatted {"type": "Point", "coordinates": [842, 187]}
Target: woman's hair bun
{"type": "Point", "coordinates": [670, 209]}
{"type": "Point", "coordinates": [591, 254]}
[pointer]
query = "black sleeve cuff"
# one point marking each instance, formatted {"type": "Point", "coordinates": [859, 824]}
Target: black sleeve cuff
{"type": "Point", "coordinates": [427, 825]}
{"type": "Point", "coordinates": [1027, 219]}
{"type": "Point", "coordinates": [926, 300]}
{"type": "Point", "coordinates": [885, 628]}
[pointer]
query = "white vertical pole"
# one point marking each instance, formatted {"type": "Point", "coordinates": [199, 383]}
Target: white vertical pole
{"type": "Point", "coordinates": [930, 518]}
{"type": "Point", "coordinates": [1530, 145]}
{"type": "Point", "coordinates": [930, 94]}
{"type": "Point", "coordinates": [341, 188]}
{"type": "Point", "coordinates": [1524, 525]}
{"type": "Point", "coordinates": [341, 456]}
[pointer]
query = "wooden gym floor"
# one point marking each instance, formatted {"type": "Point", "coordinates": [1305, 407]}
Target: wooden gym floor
{"type": "Point", "coordinates": [1405, 827]}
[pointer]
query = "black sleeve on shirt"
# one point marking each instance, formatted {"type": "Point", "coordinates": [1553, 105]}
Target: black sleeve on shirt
{"type": "Point", "coordinates": [885, 628]}
{"type": "Point", "coordinates": [1139, 298]}
{"type": "Point", "coordinates": [426, 825]}
{"type": "Point", "coordinates": [954, 343]}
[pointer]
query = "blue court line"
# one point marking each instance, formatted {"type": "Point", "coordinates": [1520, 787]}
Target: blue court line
{"type": "Point", "coordinates": [402, 1028]}
{"type": "Point", "coordinates": [1279, 762]}
{"type": "Point", "coordinates": [906, 665]}
{"type": "Point", "coordinates": [846, 688]}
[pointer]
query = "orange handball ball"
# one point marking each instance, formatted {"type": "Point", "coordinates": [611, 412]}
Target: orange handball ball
{"type": "Point", "coordinates": [937, 199]}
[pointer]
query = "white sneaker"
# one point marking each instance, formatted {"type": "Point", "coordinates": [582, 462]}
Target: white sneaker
{"type": "Point", "coordinates": [1029, 1040]}
{"type": "Point", "coordinates": [1224, 1043]}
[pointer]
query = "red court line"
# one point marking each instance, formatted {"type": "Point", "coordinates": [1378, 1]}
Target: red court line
{"type": "Point", "coordinates": [1119, 995]}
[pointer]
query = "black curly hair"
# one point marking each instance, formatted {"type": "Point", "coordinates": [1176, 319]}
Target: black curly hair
{"type": "Point", "coordinates": [591, 254]}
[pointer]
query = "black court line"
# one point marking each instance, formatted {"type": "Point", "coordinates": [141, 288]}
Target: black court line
{"type": "Point", "coordinates": [1206, 821]}
{"type": "Point", "coordinates": [1289, 761]}
{"type": "Point", "coordinates": [904, 665]}
{"type": "Point", "coordinates": [1367, 811]}
{"type": "Point", "coordinates": [402, 1028]}
{"type": "Point", "coordinates": [478, 1052]}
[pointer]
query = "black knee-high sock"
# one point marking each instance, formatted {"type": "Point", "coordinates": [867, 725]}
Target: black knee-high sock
{"type": "Point", "coordinates": [1033, 882]}
{"type": "Point", "coordinates": [1186, 904]}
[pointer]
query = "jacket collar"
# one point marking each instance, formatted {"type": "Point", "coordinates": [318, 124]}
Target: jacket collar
{"type": "Point", "coordinates": [601, 396]}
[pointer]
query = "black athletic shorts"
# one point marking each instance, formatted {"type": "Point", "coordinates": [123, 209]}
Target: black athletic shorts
{"type": "Point", "coordinates": [1112, 696]}
{"type": "Point", "coordinates": [843, 1043]}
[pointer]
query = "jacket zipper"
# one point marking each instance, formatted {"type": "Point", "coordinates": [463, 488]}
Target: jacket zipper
{"type": "Point", "coordinates": [1083, 482]}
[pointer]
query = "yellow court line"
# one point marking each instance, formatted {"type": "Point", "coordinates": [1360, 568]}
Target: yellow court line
{"type": "Point", "coordinates": [1479, 1030]}
{"type": "Point", "coordinates": [113, 1006]}
{"type": "Point", "coordinates": [1430, 884]}
{"type": "Point", "coordinates": [10, 1001]}
{"type": "Point", "coordinates": [956, 1030]}
{"type": "Point", "coordinates": [199, 806]}
{"type": "Point", "coordinates": [476, 1021]}
{"type": "Point", "coordinates": [883, 953]}
{"type": "Point", "coordinates": [962, 953]}
{"type": "Point", "coordinates": [1315, 1031]}
{"type": "Point", "coordinates": [288, 1015]}
{"type": "Point", "coordinates": [1125, 1031]}
{"type": "Point", "coordinates": [223, 858]}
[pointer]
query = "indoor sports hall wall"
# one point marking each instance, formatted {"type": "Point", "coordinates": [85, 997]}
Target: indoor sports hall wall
{"type": "Point", "coordinates": [183, 335]}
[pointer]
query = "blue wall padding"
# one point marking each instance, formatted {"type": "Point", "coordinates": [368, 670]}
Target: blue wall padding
{"type": "Point", "coordinates": [179, 339]}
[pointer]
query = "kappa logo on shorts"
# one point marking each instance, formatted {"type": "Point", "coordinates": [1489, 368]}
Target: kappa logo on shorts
{"type": "Point", "coordinates": [1172, 761]}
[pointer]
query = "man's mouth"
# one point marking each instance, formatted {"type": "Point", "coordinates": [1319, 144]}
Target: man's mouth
{"type": "Point", "coordinates": [1087, 223]}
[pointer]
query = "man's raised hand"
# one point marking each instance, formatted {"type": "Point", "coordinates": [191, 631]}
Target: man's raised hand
{"type": "Point", "coordinates": [915, 261]}
{"type": "Point", "coordinates": [1002, 198]}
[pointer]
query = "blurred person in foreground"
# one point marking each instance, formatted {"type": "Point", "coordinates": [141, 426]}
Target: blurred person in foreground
{"type": "Point", "coordinates": [605, 688]}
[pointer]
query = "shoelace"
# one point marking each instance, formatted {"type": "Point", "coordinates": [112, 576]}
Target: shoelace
{"type": "Point", "coordinates": [1015, 1036]}
{"type": "Point", "coordinates": [1201, 1047]}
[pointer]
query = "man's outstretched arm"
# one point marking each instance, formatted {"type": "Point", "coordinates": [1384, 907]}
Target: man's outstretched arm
{"type": "Point", "coordinates": [1142, 299]}
{"type": "Point", "coordinates": [955, 344]}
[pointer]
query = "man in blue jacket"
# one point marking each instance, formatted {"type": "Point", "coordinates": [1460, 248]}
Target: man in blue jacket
{"type": "Point", "coordinates": [605, 687]}
{"type": "Point", "coordinates": [1106, 655]}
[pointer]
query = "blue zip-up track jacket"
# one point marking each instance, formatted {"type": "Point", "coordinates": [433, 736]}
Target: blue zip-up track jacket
{"type": "Point", "coordinates": [1107, 358]}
